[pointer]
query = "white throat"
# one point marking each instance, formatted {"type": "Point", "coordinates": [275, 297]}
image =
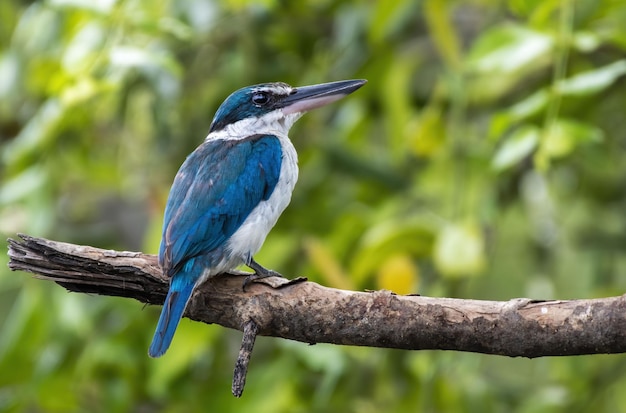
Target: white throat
{"type": "Point", "coordinates": [274, 123]}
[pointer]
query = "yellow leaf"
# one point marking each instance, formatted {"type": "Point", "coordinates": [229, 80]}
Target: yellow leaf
{"type": "Point", "coordinates": [398, 274]}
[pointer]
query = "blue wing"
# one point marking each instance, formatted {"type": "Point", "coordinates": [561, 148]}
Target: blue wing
{"type": "Point", "coordinates": [216, 188]}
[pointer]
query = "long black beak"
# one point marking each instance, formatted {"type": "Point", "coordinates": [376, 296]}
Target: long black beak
{"type": "Point", "coordinates": [305, 98]}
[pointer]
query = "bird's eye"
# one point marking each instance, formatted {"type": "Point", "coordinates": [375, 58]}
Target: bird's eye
{"type": "Point", "coordinates": [260, 98]}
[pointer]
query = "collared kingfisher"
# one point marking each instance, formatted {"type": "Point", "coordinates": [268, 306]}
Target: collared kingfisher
{"type": "Point", "coordinates": [230, 191]}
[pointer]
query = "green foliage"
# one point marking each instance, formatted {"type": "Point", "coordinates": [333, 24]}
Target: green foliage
{"type": "Point", "coordinates": [485, 158]}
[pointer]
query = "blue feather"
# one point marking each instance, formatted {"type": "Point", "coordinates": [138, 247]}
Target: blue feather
{"type": "Point", "coordinates": [178, 296]}
{"type": "Point", "coordinates": [216, 188]}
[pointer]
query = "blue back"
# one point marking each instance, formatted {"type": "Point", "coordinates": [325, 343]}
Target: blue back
{"type": "Point", "coordinates": [215, 190]}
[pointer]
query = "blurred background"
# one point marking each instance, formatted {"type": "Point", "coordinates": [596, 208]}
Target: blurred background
{"type": "Point", "coordinates": [485, 159]}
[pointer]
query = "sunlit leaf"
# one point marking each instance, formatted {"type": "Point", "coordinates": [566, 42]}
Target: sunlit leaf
{"type": "Point", "coordinates": [459, 251]}
{"type": "Point", "coordinates": [587, 41]}
{"type": "Point", "coordinates": [82, 90]}
{"type": "Point", "coordinates": [9, 74]}
{"type": "Point", "coordinates": [22, 185]}
{"type": "Point", "coordinates": [529, 106]}
{"type": "Point", "coordinates": [101, 6]}
{"type": "Point", "coordinates": [592, 81]}
{"type": "Point", "coordinates": [126, 56]}
{"type": "Point", "coordinates": [565, 135]}
{"type": "Point", "coordinates": [135, 57]}
{"type": "Point", "coordinates": [516, 147]}
{"type": "Point", "coordinates": [509, 48]}
{"type": "Point", "coordinates": [83, 49]}
{"type": "Point", "coordinates": [37, 30]}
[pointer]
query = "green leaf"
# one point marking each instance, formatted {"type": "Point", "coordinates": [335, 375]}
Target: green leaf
{"type": "Point", "coordinates": [460, 251]}
{"type": "Point", "coordinates": [37, 132]}
{"type": "Point", "coordinates": [587, 41]}
{"type": "Point", "coordinates": [592, 81]}
{"type": "Point", "coordinates": [509, 48]}
{"type": "Point", "coordinates": [523, 109]}
{"type": "Point", "coordinates": [100, 6]}
{"type": "Point", "coordinates": [516, 147]}
{"type": "Point", "coordinates": [442, 31]}
{"type": "Point", "coordinates": [9, 75]}
{"type": "Point", "coordinates": [137, 57]}
{"type": "Point", "coordinates": [529, 106]}
{"type": "Point", "coordinates": [565, 135]}
{"type": "Point", "coordinates": [82, 51]}
{"type": "Point", "coordinates": [22, 185]}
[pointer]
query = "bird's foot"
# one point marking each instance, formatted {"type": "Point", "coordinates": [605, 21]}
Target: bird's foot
{"type": "Point", "coordinates": [260, 272]}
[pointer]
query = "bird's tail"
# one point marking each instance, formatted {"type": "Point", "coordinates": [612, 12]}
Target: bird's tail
{"type": "Point", "coordinates": [177, 297]}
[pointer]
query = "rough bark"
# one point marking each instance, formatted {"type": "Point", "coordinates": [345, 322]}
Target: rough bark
{"type": "Point", "coordinates": [307, 312]}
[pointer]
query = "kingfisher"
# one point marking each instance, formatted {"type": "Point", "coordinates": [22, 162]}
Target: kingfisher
{"type": "Point", "coordinates": [230, 191]}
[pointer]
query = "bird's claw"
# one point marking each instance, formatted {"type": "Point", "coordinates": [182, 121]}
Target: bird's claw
{"type": "Point", "coordinates": [260, 272]}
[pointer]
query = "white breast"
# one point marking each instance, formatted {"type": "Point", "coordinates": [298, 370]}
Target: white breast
{"type": "Point", "coordinates": [249, 238]}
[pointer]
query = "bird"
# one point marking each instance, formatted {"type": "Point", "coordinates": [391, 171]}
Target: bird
{"type": "Point", "coordinates": [230, 191]}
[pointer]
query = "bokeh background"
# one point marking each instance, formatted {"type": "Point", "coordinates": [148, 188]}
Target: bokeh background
{"type": "Point", "coordinates": [485, 159]}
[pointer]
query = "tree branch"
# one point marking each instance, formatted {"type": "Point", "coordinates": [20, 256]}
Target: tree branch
{"type": "Point", "coordinates": [307, 312]}
{"type": "Point", "coordinates": [250, 331]}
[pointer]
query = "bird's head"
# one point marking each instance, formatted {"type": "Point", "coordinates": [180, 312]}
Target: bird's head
{"type": "Point", "coordinates": [277, 103]}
